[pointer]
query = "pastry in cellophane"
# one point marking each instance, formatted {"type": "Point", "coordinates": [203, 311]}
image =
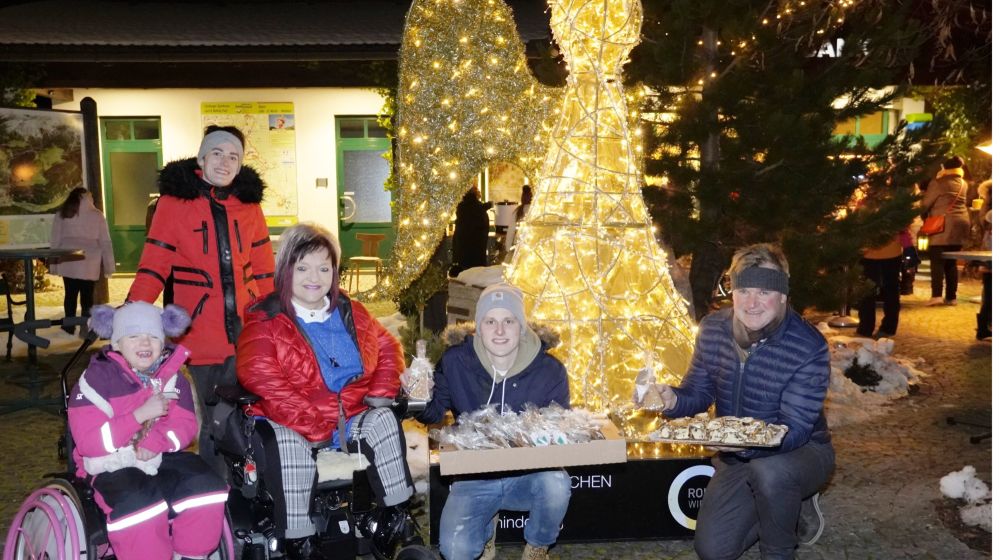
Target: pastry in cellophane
{"type": "Point", "coordinates": [729, 431]}
{"type": "Point", "coordinates": [418, 379]}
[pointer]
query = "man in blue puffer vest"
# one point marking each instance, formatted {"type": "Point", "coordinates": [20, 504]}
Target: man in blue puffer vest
{"type": "Point", "coordinates": [760, 359]}
{"type": "Point", "coordinates": [507, 365]}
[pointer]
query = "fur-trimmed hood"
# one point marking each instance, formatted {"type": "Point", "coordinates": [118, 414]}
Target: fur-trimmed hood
{"type": "Point", "coordinates": [178, 178]}
{"type": "Point", "coordinates": [453, 335]}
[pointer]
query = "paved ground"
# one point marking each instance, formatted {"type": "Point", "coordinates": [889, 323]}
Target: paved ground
{"type": "Point", "coordinates": [879, 505]}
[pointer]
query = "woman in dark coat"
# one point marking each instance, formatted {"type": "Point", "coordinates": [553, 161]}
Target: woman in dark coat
{"type": "Point", "coordinates": [472, 231]}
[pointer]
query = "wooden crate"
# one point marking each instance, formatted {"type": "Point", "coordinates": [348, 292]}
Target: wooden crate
{"type": "Point", "coordinates": [462, 300]}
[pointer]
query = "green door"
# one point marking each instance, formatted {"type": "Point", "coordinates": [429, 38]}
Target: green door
{"type": "Point", "coordinates": [132, 158]}
{"type": "Point", "coordinates": [365, 206]}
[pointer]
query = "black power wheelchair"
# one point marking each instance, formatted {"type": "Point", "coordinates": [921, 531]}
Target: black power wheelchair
{"type": "Point", "coordinates": [348, 521]}
{"type": "Point", "coordinates": [61, 519]}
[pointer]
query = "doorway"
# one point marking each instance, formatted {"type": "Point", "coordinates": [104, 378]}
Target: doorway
{"type": "Point", "coordinates": [364, 204]}
{"type": "Point", "coordinates": [132, 158]}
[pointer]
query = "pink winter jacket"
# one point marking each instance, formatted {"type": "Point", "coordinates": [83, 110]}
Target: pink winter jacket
{"type": "Point", "coordinates": [88, 230]}
{"type": "Point", "coordinates": [101, 420]}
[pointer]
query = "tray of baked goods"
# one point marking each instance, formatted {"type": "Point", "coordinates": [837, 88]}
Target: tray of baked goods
{"type": "Point", "coordinates": [722, 431]}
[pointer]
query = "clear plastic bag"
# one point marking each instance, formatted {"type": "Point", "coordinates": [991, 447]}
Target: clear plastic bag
{"type": "Point", "coordinates": [418, 379]}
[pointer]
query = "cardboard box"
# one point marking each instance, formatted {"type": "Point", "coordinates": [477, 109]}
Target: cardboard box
{"type": "Point", "coordinates": [462, 300]}
{"type": "Point", "coordinates": [599, 452]}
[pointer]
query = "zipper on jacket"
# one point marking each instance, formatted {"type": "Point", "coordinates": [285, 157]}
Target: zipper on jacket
{"type": "Point", "coordinates": [239, 240]}
{"type": "Point", "coordinates": [738, 390]}
{"type": "Point", "coordinates": [204, 236]}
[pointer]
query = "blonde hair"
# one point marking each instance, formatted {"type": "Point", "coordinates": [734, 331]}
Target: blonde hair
{"type": "Point", "coordinates": [766, 255]}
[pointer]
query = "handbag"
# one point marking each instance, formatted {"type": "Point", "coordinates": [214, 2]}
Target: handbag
{"type": "Point", "coordinates": [231, 428]}
{"type": "Point", "coordinates": [934, 225]}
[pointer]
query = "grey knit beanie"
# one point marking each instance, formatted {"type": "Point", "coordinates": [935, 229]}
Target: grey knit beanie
{"type": "Point", "coordinates": [503, 296]}
{"type": "Point", "coordinates": [215, 138]}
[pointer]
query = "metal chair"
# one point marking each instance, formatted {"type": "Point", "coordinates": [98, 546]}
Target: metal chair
{"type": "Point", "coordinates": [7, 323]}
{"type": "Point", "coordinates": [367, 259]}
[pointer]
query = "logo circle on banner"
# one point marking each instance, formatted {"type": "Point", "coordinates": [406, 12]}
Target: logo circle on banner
{"type": "Point", "coordinates": [674, 494]}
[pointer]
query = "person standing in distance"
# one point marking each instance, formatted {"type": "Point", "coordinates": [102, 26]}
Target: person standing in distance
{"type": "Point", "coordinates": [209, 233]}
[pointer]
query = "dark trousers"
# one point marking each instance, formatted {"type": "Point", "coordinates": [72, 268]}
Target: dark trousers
{"type": "Point", "coordinates": [944, 271]}
{"type": "Point", "coordinates": [759, 500]}
{"type": "Point", "coordinates": [77, 289]}
{"type": "Point", "coordinates": [206, 379]}
{"type": "Point", "coordinates": [884, 273]}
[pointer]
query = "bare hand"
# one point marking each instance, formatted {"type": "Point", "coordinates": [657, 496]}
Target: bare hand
{"type": "Point", "coordinates": [143, 454]}
{"type": "Point", "coordinates": [154, 407]}
{"type": "Point", "coordinates": [667, 395]}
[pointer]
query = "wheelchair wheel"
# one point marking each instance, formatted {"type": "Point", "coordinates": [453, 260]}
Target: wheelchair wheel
{"type": "Point", "coordinates": [49, 525]}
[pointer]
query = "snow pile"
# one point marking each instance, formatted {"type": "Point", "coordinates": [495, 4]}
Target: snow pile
{"type": "Point", "coordinates": [481, 276]}
{"type": "Point", "coordinates": [964, 485]}
{"type": "Point", "coordinates": [846, 401]}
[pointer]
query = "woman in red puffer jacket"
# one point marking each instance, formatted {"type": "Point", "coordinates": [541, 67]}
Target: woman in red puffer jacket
{"type": "Point", "coordinates": [323, 365]}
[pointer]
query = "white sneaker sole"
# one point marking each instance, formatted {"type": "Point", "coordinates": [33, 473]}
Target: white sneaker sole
{"type": "Point", "coordinates": [822, 522]}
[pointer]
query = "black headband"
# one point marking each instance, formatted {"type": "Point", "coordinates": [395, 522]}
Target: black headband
{"type": "Point", "coordinates": [762, 278]}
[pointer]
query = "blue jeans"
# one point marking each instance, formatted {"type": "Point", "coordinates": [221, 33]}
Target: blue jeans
{"type": "Point", "coordinates": [466, 522]}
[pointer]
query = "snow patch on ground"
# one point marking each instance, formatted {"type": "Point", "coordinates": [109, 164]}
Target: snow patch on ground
{"type": "Point", "coordinates": [965, 485]}
{"type": "Point", "coordinates": [392, 323]}
{"type": "Point", "coordinates": [847, 402]}
{"type": "Point", "coordinates": [481, 276]}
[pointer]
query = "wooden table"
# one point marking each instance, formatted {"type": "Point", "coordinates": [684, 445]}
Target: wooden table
{"type": "Point", "coordinates": [31, 377]}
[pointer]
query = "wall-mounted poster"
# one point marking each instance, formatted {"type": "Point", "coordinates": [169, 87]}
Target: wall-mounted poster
{"type": "Point", "coordinates": [41, 160]}
{"type": "Point", "coordinates": [269, 129]}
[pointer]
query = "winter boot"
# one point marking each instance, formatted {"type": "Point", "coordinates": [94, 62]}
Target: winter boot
{"type": "Point", "coordinates": [535, 552]}
{"type": "Point", "coordinates": [490, 549]}
{"type": "Point", "coordinates": [811, 521]}
{"type": "Point", "coordinates": [301, 549]}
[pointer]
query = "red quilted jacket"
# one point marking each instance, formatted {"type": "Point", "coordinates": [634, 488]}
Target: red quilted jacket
{"type": "Point", "coordinates": [274, 360]}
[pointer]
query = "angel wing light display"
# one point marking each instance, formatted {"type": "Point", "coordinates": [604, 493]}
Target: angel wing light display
{"type": "Point", "coordinates": [466, 98]}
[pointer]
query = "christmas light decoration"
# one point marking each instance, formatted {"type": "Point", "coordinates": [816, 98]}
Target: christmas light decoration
{"type": "Point", "coordinates": [465, 98]}
{"type": "Point", "coordinates": [587, 259]}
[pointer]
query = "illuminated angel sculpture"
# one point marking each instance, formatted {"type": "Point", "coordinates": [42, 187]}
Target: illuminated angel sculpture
{"type": "Point", "coordinates": [587, 260]}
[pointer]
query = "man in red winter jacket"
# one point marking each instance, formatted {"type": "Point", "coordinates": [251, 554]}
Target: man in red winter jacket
{"type": "Point", "coordinates": [209, 232]}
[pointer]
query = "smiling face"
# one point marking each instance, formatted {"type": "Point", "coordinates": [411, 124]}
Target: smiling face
{"type": "Point", "coordinates": [312, 278]}
{"type": "Point", "coordinates": [756, 308]}
{"type": "Point", "coordinates": [221, 164]}
{"type": "Point", "coordinates": [140, 350]}
{"type": "Point", "coordinates": [500, 332]}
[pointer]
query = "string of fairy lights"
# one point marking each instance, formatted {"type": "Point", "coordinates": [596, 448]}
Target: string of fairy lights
{"type": "Point", "coordinates": [587, 258]}
{"type": "Point", "coordinates": [466, 98]}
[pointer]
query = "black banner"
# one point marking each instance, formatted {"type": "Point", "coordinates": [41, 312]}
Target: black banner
{"type": "Point", "coordinates": [640, 499]}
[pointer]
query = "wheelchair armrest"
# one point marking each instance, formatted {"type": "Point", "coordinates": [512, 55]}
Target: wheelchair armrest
{"type": "Point", "coordinates": [236, 394]}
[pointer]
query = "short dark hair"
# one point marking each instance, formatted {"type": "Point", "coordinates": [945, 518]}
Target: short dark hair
{"type": "Point", "coordinates": [230, 129]}
{"type": "Point", "coordinates": [954, 162]}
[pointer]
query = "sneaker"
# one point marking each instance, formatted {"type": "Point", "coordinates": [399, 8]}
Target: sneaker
{"type": "Point", "coordinates": [490, 549]}
{"type": "Point", "coordinates": [811, 521]}
{"type": "Point", "coordinates": [935, 301]}
{"type": "Point", "coordinates": [535, 552]}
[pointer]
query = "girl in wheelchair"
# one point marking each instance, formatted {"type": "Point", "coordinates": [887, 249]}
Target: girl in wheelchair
{"type": "Point", "coordinates": [131, 415]}
{"type": "Point", "coordinates": [322, 364]}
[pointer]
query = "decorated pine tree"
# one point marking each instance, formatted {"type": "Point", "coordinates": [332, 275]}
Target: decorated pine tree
{"type": "Point", "coordinates": [754, 92]}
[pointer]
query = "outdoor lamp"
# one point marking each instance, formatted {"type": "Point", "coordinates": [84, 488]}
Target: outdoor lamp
{"type": "Point", "coordinates": [923, 242]}
{"type": "Point", "coordinates": [987, 147]}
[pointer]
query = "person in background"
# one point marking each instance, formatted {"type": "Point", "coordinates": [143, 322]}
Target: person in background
{"type": "Point", "coordinates": [472, 233]}
{"type": "Point", "coordinates": [80, 225]}
{"type": "Point", "coordinates": [519, 213]}
{"type": "Point", "coordinates": [984, 319]}
{"type": "Point", "coordinates": [503, 363]}
{"type": "Point", "coordinates": [946, 196]}
{"type": "Point", "coordinates": [883, 266]}
{"type": "Point", "coordinates": [763, 360]}
{"type": "Point", "coordinates": [209, 233]}
{"type": "Point", "coordinates": [131, 416]}
{"type": "Point", "coordinates": [323, 367]}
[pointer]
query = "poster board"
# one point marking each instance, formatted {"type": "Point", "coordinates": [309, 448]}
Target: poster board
{"type": "Point", "coordinates": [41, 161]}
{"type": "Point", "coordinates": [269, 129]}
